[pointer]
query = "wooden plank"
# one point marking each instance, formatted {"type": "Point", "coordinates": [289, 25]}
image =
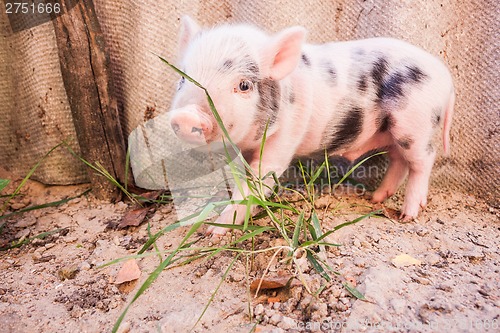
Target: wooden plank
{"type": "Point", "coordinates": [89, 87]}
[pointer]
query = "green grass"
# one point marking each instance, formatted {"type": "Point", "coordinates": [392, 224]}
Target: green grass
{"type": "Point", "coordinates": [301, 231]}
{"type": "Point", "coordinates": [3, 185]}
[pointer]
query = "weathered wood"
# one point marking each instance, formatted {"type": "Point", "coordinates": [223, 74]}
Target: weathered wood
{"type": "Point", "coordinates": [88, 83]}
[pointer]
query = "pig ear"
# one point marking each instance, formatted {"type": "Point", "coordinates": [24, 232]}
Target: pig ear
{"type": "Point", "coordinates": [282, 56]}
{"type": "Point", "coordinates": [189, 28]}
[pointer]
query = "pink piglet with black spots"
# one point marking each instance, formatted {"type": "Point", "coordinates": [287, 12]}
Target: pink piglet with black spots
{"type": "Point", "coordinates": [347, 98]}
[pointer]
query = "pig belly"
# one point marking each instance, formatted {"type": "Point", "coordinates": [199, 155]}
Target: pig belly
{"type": "Point", "coordinates": [379, 141]}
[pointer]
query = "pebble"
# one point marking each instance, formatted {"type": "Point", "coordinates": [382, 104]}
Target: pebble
{"type": "Point", "coordinates": [26, 222]}
{"type": "Point", "coordinates": [358, 261]}
{"type": "Point", "coordinates": [275, 319]}
{"type": "Point", "coordinates": [259, 309]}
{"type": "Point", "coordinates": [84, 266]}
{"type": "Point", "coordinates": [125, 327]}
{"type": "Point", "coordinates": [49, 245]}
{"type": "Point", "coordinates": [120, 206]}
{"type": "Point", "coordinates": [344, 300]}
{"type": "Point", "coordinates": [422, 231]}
{"type": "Point", "coordinates": [269, 312]}
{"type": "Point", "coordinates": [22, 234]}
{"type": "Point", "coordinates": [287, 323]}
{"type": "Point", "coordinates": [322, 202]}
{"type": "Point", "coordinates": [70, 239]}
{"type": "Point", "coordinates": [432, 259]}
{"type": "Point", "coordinates": [357, 243]}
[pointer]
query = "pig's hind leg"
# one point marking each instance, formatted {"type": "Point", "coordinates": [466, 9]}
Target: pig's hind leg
{"type": "Point", "coordinates": [394, 176]}
{"type": "Point", "coordinates": [420, 157]}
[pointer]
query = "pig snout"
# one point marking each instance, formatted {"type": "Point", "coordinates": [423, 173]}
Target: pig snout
{"type": "Point", "coordinates": [191, 125]}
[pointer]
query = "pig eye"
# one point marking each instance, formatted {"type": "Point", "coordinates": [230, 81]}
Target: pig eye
{"type": "Point", "coordinates": [245, 86]}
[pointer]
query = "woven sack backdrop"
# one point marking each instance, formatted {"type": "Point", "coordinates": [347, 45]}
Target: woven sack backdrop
{"type": "Point", "coordinates": [35, 112]}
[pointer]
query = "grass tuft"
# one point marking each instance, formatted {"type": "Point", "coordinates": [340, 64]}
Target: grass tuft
{"type": "Point", "coordinates": [300, 229]}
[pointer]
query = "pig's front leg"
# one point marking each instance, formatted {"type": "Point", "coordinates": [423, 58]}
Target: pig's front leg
{"type": "Point", "coordinates": [275, 158]}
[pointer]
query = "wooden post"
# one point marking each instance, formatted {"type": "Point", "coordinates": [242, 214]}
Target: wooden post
{"type": "Point", "coordinates": [87, 80]}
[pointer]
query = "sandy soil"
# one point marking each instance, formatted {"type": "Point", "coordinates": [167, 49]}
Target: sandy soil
{"type": "Point", "coordinates": [449, 283]}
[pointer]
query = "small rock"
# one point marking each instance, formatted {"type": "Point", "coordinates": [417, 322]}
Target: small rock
{"type": "Point", "coordinates": [259, 309]}
{"type": "Point", "coordinates": [19, 205]}
{"type": "Point", "coordinates": [356, 242]}
{"type": "Point", "coordinates": [125, 327]}
{"type": "Point", "coordinates": [275, 319]}
{"type": "Point", "coordinates": [49, 245]}
{"type": "Point", "coordinates": [269, 312]}
{"type": "Point", "coordinates": [70, 239]}
{"type": "Point", "coordinates": [287, 323]}
{"type": "Point", "coordinates": [84, 266]}
{"type": "Point", "coordinates": [77, 311]}
{"type": "Point", "coordinates": [26, 222]}
{"type": "Point", "coordinates": [432, 259]}
{"type": "Point", "coordinates": [22, 234]}
{"type": "Point", "coordinates": [358, 261]}
{"type": "Point", "coordinates": [344, 300]}
{"type": "Point", "coordinates": [67, 272]}
{"type": "Point", "coordinates": [121, 206]}
{"type": "Point", "coordinates": [322, 202]}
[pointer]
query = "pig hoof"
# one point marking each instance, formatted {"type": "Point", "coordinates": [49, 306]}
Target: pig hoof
{"type": "Point", "coordinates": [407, 218]}
{"type": "Point", "coordinates": [379, 196]}
{"type": "Point", "coordinates": [216, 231]}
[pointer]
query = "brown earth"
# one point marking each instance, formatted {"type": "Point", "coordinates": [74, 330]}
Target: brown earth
{"type": "Point", "coordinates": [450, 280]}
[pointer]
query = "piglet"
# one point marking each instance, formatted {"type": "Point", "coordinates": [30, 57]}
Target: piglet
{"type": "Point", "coordinates": [347, 98]}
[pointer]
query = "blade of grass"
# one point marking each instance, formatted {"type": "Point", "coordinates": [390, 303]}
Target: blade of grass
{"type": "Point", "coordinates": [354, 292]}
{"type": "Point", "coordinates": [317, 266]}
{"type": "Point", "coordinates": [45, 205]}
{"type": "Point", "coordinates": [28, 240]}
{"type": "Point", "coordinates": [28, 176]}
{"type": "Point", "coordinates": [3, 184]}
{"type": "Point", "coordinates": [154, 275]}
{"type": "Point", "coordinates": [351, 170]}
{"type": "Point", "coordinates": [216, 290]}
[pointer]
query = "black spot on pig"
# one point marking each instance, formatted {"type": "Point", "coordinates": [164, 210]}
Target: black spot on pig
{"type": "Point", "coordinates": [385, 122]}
{"type": "Point", "coordinates": [268, 105]}
{"type": "Point", "coordinates": [347, 130]}
{"type": "Point", "coordinates": [392, 86]}
{"type": "Point", "coordinates": [331, 73]}
{"type": "Point", "coordinates": [291, 96]}
{"type": "Point", "coordinates": [305, 60]}
{"type": "Point", "coordinates": [405, 142]}
{"type": "Point", "coordinates": [436, 117]}
{"type": "Point", "coordinates": [253, 68]}
{"type": "Point", "coordinates": [430, 148]}
{"type": "Point", "coordinates": [227, 65]}
{"type": "Point", "coordinates": [379, 71]}
{"type": "Point", "coordinates": [362, 83]}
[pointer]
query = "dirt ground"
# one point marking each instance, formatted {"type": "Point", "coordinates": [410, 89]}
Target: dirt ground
{"type": "Point", "coordinates": [447, 280]}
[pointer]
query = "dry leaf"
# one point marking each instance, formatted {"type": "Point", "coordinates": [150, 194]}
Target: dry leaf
{"type": "Point", "coordinates": [404, 260]}
{"type": "Point", "coordinates": [134, 217]}
{"type": "Point", "coordinates": [153, 195]}
{"type": "Point", "coordinates": [130, 271]}
{"type": "Point", "coordinates": [67, 272]}
{"type": "Point", "coordinates": [269, 283]}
